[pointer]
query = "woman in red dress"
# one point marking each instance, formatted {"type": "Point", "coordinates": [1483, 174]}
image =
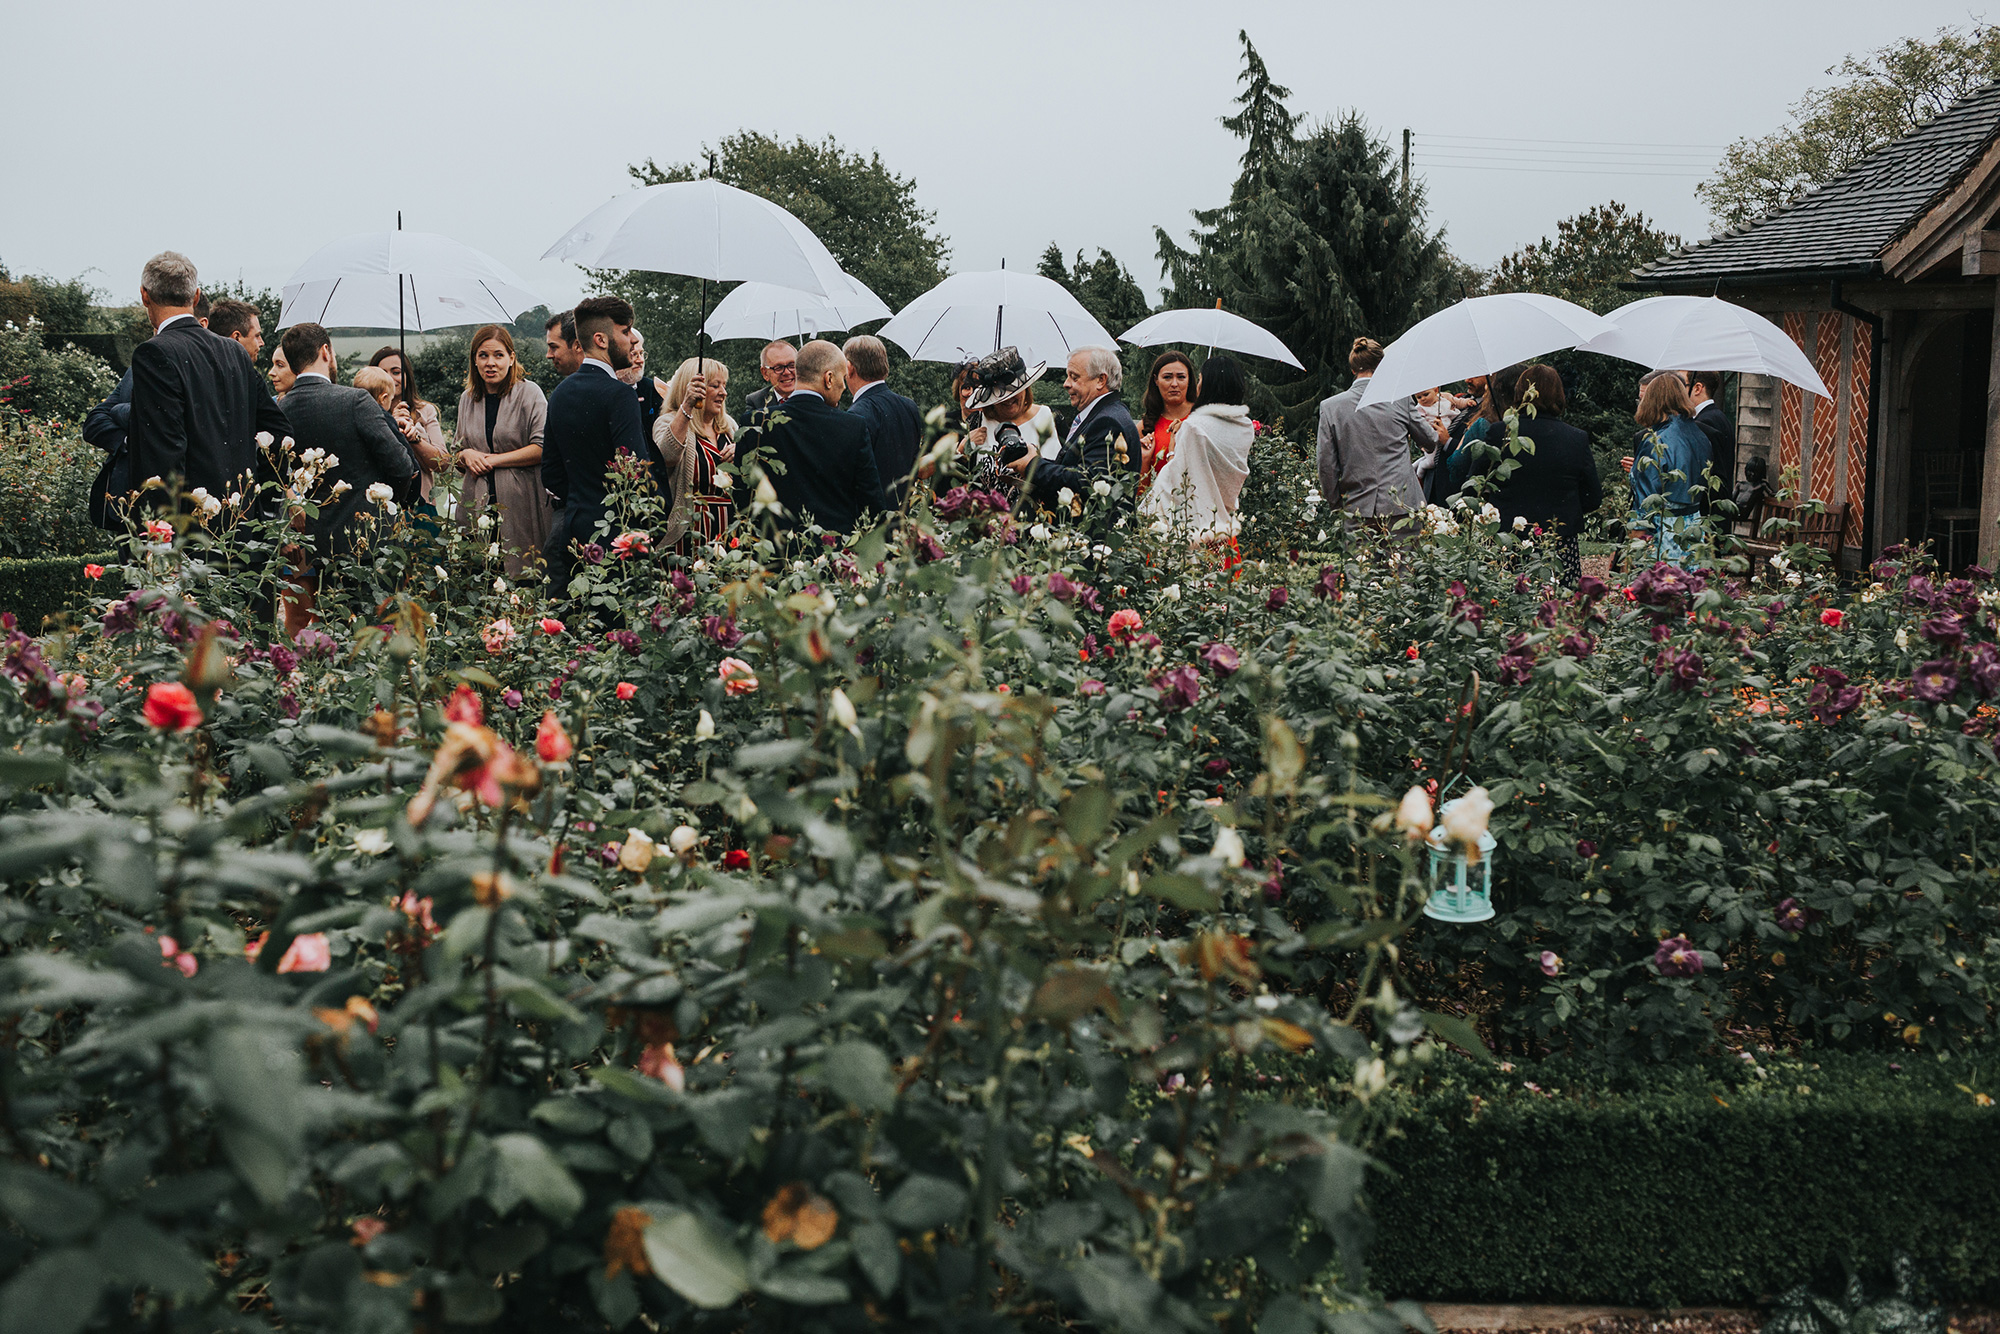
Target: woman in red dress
{"type": "Point", "coordinates": [1168, 400]}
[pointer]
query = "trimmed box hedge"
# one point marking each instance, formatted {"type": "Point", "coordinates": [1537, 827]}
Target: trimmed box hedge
{"type": "Point", "coordinates": [1706, 1184]}
{"type": "Point", "coordinates": [46, 586]}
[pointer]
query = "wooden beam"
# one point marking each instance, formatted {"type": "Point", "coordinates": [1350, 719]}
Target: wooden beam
{"type": "Point", "coordinates": [1981, 256]}
{"type": "Point", "coordinates": [1989, 489]}
{"type": "Point", "coordinates": [1928, 239]}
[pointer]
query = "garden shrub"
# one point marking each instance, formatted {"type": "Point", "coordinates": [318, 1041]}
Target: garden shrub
{"type": "Point", "coordinates": [55, 383]}
{"type": "Point", "coordinates": [45, 476]}
{"type": "Point", "coordinates": [45, 586]}
{"type": "Point", "coordinates": [1728, 1181]}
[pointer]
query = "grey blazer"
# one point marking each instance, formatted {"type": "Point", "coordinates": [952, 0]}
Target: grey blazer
{"type": "Point", "coordinates": [351, 425]}
{"type": "Point", "coordinates": [1364, 453]}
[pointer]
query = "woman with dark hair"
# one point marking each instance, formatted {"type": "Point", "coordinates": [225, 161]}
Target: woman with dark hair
{"type": "Point", "coordinates": [1198, 487]}
{"type": "Point", "coordinates": [1670, 454]}
{"type": "Point", "coordinates": [1555, 487]}
{"type": "Point", "coordinates": [417, 418]}
{"type": "Point", "coordinates": [1169, 398]}
{"type": "Point", "coordinates": [1488, 426]}
{"type": "Point", "coordinates": [500, 418]}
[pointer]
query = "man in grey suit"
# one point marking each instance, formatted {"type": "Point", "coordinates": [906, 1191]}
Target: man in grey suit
{"type": "Point", "coordinates": [349, 424]}
{"type": "Point", "coordinates": [1365, 466]}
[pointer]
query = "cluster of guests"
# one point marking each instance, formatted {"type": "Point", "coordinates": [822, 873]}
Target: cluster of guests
{"type": "Point", "coordinates": [1389, 458]}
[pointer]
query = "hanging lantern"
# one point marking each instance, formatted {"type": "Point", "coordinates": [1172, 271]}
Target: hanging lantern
{"type": "Point", "coordinates": [1461, 889]}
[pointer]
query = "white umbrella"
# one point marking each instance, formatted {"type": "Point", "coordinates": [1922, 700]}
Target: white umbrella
{"type": "Point", "coordinates": [703, 229]}
{"type": "Point", "coordinates": [1477, 337]}
{"type": "Point", "coordinates": [972, 314]}
{"type": "Point", "coordinates": [767, 311]}
{"type": "Point", "coordinates": [403, 280]}
{"type": "Point", "coordinates": [1704, 333]}
{"type": "Point", "coordinates": [1209, 328]}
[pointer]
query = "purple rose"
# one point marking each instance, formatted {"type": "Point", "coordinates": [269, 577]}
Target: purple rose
{"type": "Point", "coordinates": [1021, 584]}
{"type": "Point", "coordinates": [681, 582]}
{"type": "Point", "coordinates": [1546, 616]}
{"type": "Point", "coordinates": [1586, 849]}
{"type": "Point", "coordinates": [1216, 767]}
{"type": "Point", "coordinates": [1590, 588]}
{"type": "Point", "coordinates": [1984, 668]}
{"type": "Point", "coordinates": [511, 698]}
{"type": "Point", "coordinates": [1328, 584]}
{"type": "Point", "coordinates": [722, 629]}
{"type": "Point", "coordinates": [928, 549]}
{"type": "Point", "coordinates": [1832, 698]}
{"type": "Point", "coordinates": [1684, 667]}
{"type": "Point", "coordinates": [1517, 664]}
{"type": "Point", "coordinates": [555, 688]}
{"type": "Point", "coordinates": [1791, 917]}
{"type": "Point", "coordinates": [1551, 963]}
{"type": "Point", "coordinates": [1274, 886]}
{"type": "Point", "coordinates": [288, 704]}
{"type": "Point", "coordinates": [593, 553]}
{"type": "Point", "coordinates": [953, 503]}
{"type": "Point", "coordinates": [1277, 599]}
{"type": "Point", "coordinates": [625, 639]}
{"type": "Point", "coordinates": [1520, 583]}
{"type": "Point", "coordinates": [1935, 681]}
{"type": "Point", "coordinates": [1086, 597]}
{"type": "Point", "coordinates": [1677, 957]}
{"type": "Point", "coordinates": [1920, 593]}
{"type": "Point", "coordinates": [313, 642]}
{"type": "Point", "coordinates": [283, 661]}
{"type": "Point", "coordinates": [1947, 631]}
{"type": "Point", "coordinates": [1578, 646]}
{"type": "Point", "coordinates": [1060, 588]}
{"type": "Point", "coordinates": [1220, 659]}
{"type": "Point", "coordinates": [1179, 688]}
{"type": "Point", "coordinates": [1090, 687]}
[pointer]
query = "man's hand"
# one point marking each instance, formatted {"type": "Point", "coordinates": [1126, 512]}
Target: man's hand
{"type": "Point", "coordinates": [1019, 467]}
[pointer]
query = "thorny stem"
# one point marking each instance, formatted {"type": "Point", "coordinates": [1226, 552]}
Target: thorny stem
{"type": "Point", "coordinates": [490, 1036]}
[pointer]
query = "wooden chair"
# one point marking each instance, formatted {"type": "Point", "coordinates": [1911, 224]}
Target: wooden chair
{"type": "Point", "coordinates": [1822, 529]}
{"type": "Point", "coordinates": [1941, 482]}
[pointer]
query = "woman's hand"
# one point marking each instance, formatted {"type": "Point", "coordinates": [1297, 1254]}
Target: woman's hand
{"type": "Point", "coordinates": [1626, 463]}
{"type": "Point", "coordinates": [977, 439]}
{"type": "Point", "coordinates": [697, 395]}
{"type": "Point", "coordinates": [728, 452]}
{"type": "Point", "coordinates": [476, 463]}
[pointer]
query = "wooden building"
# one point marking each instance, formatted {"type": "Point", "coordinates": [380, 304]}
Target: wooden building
{"type": "Point", "coordinates": [1888, 277]}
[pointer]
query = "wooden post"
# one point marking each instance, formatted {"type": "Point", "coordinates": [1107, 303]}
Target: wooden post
{"type": "Point", "coordinates": [1989, 488]}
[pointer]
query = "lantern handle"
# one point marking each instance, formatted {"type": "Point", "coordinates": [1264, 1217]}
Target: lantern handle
{"type": "Point", "coordinates": [1461, 724]}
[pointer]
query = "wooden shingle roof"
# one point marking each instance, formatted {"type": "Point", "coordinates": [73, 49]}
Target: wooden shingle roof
{"type": "Point", "coordinates": [1843, 226]}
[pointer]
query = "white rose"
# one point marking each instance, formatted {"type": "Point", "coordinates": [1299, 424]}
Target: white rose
{"type": "Point", "coordinates": [683, 838]}
{"type": "Point", "coordinates": [1172, 592]}
{"type": "Point", "coordinates": [499, 585]}
{"type": "Point", "coordinates": [371, 842]}
{"type": "Point", "coordinates": [440, 572]}
{"type": "Point", "coordinates": [765, 494]}
{"type": "Point", "coordinates": [637, 853]}
{"type": "Point", "coordinates": [860, 599]}
{"type": "Point", "coordinates": [235, 499]}
{"type": "Point", "coordinates": [1040, 532]}
{"type": "Point", "coordinates": [1520, 522]}
{"type": "Point", "coordinates": [210, 507]}
{"type": "Point", "coordinates": [1489, 513]}
{"type": "Point", "coordinates": [264, 440]}
{"type": "Point", "coordinates": [842, 709]}
{"type": "Point", "coordinates": [1413, 816]}
{"type": "Point", "coordinates": [493, 550]}
{"type": "Point", "coordinates": [333, 460]}
{"type": "Point", "coordinates": [1903, 639]}
{"type": "Point", "coordinates": [1101, 487]}
{"type": "Point", "coordinates": [288, 442]}
{"type": "Point", "coordinates": [704, 728]}
{"type": "Point", "coordinates": [1465, 820]}
{"type": "Point", "coordinates": [379, 491]}
{"type": "Point", "coordinates": [1370, 1077]}
{"type": "Point", "coordinates": [199, 494]}
{"type": "Point", "coordinates": [1229, 846]}
{"type": "Point", "coordinates": [485, 522]}
{"type": "Point", "coordinates": [341, 488]}
{"type": "Point", "coordinates": [1066, 497]}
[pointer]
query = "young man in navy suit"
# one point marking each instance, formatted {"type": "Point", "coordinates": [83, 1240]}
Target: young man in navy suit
{"type": "Point", "coordinates": [895, 425]}
{"type": "Point", "coordinates": [592, 418]}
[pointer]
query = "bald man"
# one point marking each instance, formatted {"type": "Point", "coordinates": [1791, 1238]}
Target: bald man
{"type": "Point", "coordinates": [830, 477]}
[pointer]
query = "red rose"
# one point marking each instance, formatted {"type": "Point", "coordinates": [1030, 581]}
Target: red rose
{"type": "Point", "coordinates": [1832, 617]}
{"type": "Point", "coordinates": [93, 571]}
{"type": "Point", "coordinates": [464, 707]}
{"type": "Point", "coordinates": [551, 626]}
{"type": "Point", "coordinates": [170, 707]}
{"type": "Point", "coordinates": [736, 859]}
{"type": "Point", "coordinates": [626, 690]}
{"type": "Point", "coordinates": [551, 742]}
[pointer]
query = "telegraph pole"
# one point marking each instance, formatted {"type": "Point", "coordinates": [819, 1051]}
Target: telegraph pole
{"type": "Point", "coordinates": [1406, 161]}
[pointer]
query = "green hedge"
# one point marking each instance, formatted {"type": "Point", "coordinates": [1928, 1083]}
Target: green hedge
{"type": "Point", "coordinates": [45, 586]}
{"type": "Point", "coordinates": [1705, 1185]}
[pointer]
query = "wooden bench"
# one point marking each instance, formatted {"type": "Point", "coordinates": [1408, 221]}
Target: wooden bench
{"type": "Point", "coordinates": [1821, 528]}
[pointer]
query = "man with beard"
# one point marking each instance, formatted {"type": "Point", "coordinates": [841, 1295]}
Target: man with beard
{"type": "Point", "coordinates": [592, 418]}
{"type": "Point", "coordinates": [563, 350]}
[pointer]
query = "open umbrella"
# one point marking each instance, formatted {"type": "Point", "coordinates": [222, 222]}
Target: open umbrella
{"type": "Point", "coordinates": [1209, 328]}
{"type": "Point", "coordinates": [707, 230]}
{"type": "Point", "coordinates": [767, 311]}
{"type": "Point", "coordinates": [1704, 333]}
{"type": "Point", "coordinates": [1477, 337]}
{"type": "Point", "coordinates": [972, 314]}
{"type": "Point", "coordinates": [403, 280]}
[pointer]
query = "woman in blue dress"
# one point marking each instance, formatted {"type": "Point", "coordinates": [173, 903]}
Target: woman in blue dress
{"type": "Point", "coordinates": [1669, 457]}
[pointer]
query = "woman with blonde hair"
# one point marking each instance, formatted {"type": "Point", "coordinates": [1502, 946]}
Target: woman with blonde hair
{"type": "Point", "coordinates": [416, 419]}
{"type": "Point", "coordinates": [694, 437]}
{"type": "Point", "coordinates": [500, 418]}
{"type": "Point", "coordinates": [1670, 455]}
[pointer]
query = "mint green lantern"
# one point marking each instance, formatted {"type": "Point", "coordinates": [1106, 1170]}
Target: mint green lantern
{"type": "Point", "coordinates": [1460, 890]}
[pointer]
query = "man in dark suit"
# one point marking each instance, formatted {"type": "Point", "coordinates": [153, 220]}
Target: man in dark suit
{"type": "Point", "coordinates": [895, 426]}
{"type": "Point", "coordinates": [1102, 442]}
{"type": "Point", "coordinates": [197, 402]}
{"type": "Point", "coordinates": [779, 365]}
{"type": "Point", "coordinates": [830, 476]}
{"type": "Point", "coordinates": [1705, 395]}
{"type": "Point", "coordinates": [375, 462]}
{"type": "Point", "coordinates": [565, 353]}
{"type": "Point", "coordinates": [592, 418]}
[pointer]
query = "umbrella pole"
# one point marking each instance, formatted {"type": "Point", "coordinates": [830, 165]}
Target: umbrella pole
{"type": "Point", "coordinates": [701, 333]}
{"type": "Point", "coordinates": [402, 336]}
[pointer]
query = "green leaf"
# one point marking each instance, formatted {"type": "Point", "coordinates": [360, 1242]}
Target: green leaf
{"type": "Point", "coordinates": [577, 1116]}
{"type": "Point", "coordinates": [1458, 1032]}
{"type": "Point", "coordinates": [54, 1295]}
{"type": "Point", "coordinates": [472, 1300]}
{"type": "Point", "coordinates": [1068, 992]}
{"type": "Point", "coordinates": [32, 768]}
{"type": "Point", "coordinates": [770, 755]}
{"type": "Point", "coordinates": [695, 1260]}
{"type": "Point", "coordinates": [478, 677]}
{"type": "Point", "coordinates": [45, 1204]}
{"type": "Point", "coordinates": [1183, 891]}
{"type": "Point", "coordinates": [876, 1252]}
{"type": "Point", "coordinates": [263, 1163]}
{"type": "Point", "coordinates": [701, 792]}
{"type": "Point", "coordinates": [617, 1298]}
{"type": "Point", "coordinates": [802, 1287]}
{"type": "Point", "coordinates": [859, 1073]}
{"type": "Point", "coordinates": [535, 1175]}
{"type": "Point", "coordinates": [925, 1202]}
{"type": "Point", "coordinates": [1087, 814]}
{"type": "Point", "coordinates": [270, 761]}
{"type": "Point", "coordinates": [138, 1253]}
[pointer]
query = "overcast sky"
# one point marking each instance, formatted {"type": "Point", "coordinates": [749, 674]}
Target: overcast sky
{"type": "Point", "coordinates": [248, 135]}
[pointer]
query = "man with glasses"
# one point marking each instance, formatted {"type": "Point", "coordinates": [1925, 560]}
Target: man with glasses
{"type": "Point", "coordinates": [780, 368]}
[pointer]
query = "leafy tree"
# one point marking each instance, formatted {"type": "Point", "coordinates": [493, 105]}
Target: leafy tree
{"type": "Point", "coordinates": [63, 306]}
{"type": "Point", "coordinates": [1880, 97]}
{"type": "Point", "coordinates": [1319, 243]}
{"type": "Point", "coordinates": [1105, 287]}
{"type": "Point", "coordinates": [867, 215]}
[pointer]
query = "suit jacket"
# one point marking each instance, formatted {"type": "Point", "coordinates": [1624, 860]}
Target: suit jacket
{"type": "Point", "coordinates": [105, 427]}
{"type": "Point", "coordinates": [197, 406]}
{"type": "Point", "coordinates": [1557, 485]}
{"type": "Point", "coordinates": [1721, 433]}
{"type": "Point", "coordinates": [830, 475]}
{"type": "Point", "coordinates": [348, 423]}
{"type": "Point", "coordinates": [591, 417]}
{"type": "Point", "coordinates": [757, 404]}
{"type": "Point", "coordinates": [1106, 445]}
{"type": "Point", "coordinates": [896, 431]}
{"type": "Point", "coordinates": [1364, 453]}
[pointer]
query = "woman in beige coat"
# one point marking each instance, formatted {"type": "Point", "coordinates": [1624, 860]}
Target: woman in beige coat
{"type": "Point", "coordinates": [500, 418]}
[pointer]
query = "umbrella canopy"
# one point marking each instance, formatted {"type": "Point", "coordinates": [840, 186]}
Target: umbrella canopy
{"type": "Point", "coordinates": [1209, 328]}
{"type": "Point", "coordinates": [767, 311]}
{"type": "Point", "coordinates": [403, 280]}
{"type": "Point", "coordinates": [1477, 337]}
{"type": "Point", "coordinates": [973, 314]}
{"type": "Point", "coordinates": [703, 229]}
{"type": "Point", "coordinates": [1704, 333]}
